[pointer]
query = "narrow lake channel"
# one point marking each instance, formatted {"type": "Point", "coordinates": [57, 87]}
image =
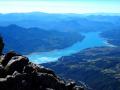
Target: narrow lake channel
{"type": "Point", "coordinates": [91, 40]}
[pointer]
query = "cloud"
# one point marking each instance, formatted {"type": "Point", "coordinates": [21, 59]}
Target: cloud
{"type": "Point", "coordinates": [50, 6]}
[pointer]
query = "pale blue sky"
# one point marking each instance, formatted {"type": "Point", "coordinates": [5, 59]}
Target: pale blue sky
{"type": "Point", "coordinates": [60, 6]}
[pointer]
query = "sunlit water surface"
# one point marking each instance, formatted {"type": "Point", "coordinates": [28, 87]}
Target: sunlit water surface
{"type": "Point", "coordinates": [90, 40]}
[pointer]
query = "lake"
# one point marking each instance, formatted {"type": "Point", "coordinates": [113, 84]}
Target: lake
{"type": "Point", "coordinates": [92, 39]}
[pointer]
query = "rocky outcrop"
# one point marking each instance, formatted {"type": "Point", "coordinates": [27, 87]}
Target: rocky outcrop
{"type": "Point", "coordinates": [18, 73]}
{"type": "Point", "coordinates": [1, 45]}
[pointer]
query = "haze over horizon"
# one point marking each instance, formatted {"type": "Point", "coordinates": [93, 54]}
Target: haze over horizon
{"type": "Point", "coordinates": [60, 6]}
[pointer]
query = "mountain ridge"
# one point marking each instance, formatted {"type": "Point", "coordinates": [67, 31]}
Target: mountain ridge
{"type": "Point", "coordinates": [43, 40]}
{"type": "Point", "coordinates": [61, 22]}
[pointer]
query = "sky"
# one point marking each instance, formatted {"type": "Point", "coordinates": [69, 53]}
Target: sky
{"type": "Point", "coordinates": [60, 6]}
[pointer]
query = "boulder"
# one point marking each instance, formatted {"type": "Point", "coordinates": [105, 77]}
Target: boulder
{"type": "Point", "coordinates": [1, 71]}
{"type": "Point", "coordinates": [70, 85]}
{"type": "Point", "coordinates": [8, 57]}
{"type": "Point", "coordinates": [29, 69]}
{"type": "Point", "coordinates": [17, 63]}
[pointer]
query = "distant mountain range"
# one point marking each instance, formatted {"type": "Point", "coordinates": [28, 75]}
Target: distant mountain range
{"type": "Point", "coordinates": [62, 22]}
{"type": "Point", "coordinates": [29, 40]}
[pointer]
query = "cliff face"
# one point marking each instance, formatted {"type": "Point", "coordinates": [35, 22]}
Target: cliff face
{"type": "Point", "coordinates": [17, 73]}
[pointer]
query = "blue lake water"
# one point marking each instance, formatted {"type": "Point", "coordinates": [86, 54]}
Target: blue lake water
{"type": "Point", "coordinates": [90, 40]}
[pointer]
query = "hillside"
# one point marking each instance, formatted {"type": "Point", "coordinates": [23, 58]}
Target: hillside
{"type": "Point", "coordinates": [96, 68]}
{"type": "Point", "coordinates": [112, 36]}
{"type": "Point", "coordinates": [29, 40]}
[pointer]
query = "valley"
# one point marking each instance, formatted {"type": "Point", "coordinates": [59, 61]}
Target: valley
{"type": "Point", "coordinates": [84, 48]}
{"type": "Point", "coordinates": [90, 40]}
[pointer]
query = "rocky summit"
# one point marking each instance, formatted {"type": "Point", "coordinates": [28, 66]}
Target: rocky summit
{"type": "Point", "coordinates": [18, 73]}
